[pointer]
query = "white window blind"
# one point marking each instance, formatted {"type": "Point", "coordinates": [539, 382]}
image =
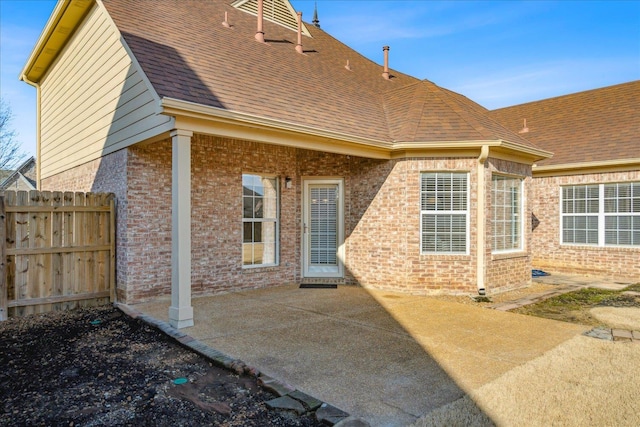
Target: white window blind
{"type": "Point", "coordinates": [323, 227]}
{"type": "Point", "coordinates": [601, 214]}
{"type": "Point", "coordinates": [444, 213]}
{"type": "Point", "coordinates": [506, 220]}
{"type": "Point", "coordinates": [622, 214]}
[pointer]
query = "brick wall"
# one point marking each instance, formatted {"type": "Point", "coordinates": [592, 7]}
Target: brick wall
{"type": "Point", "coordinates": [217, 168]}
{"type": "Point", "coordinates": [107, 174]}
{"type": "Point", "coordinates": [384, 247]}
{"type": "Point", "coordinates": [550, 255]}
{"type": "Point", "coordinates": [382, 218]}
{"type": "Point", "coordinates": [149, 221]}
{"type": "Point", "coordinates": [374, 241]}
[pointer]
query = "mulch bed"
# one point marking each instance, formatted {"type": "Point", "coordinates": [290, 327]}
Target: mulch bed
{"type": "Point", "coordinates": [96, 366]}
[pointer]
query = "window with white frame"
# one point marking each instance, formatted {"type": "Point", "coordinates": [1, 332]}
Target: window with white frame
{"type": "Point", "coordinates": [580, 205]}
{"type": "Point", "coordinates": [444, 212]}
{"type": "Point", "coordinates": [622, 214]}
{"type": "Point", "coordinates": [259, 220]}
{"type": "Point", "coordinates": [601, 214]}
{"type": "Point", "coordinates": [506, 202]}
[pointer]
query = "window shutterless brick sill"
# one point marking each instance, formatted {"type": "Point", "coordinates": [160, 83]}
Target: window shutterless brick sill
{"type": "Point", "coordinates": [599, 248]}
{"type": "Point", "coordinates": [444, 256]}
{"type": "Point", "coordinates": [265, 269]}
{"type": "Point", "coordinates": [509, 255]}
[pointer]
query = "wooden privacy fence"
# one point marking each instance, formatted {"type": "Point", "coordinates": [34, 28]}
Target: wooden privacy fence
{"type": "Point", "coordinates": [57, 251]}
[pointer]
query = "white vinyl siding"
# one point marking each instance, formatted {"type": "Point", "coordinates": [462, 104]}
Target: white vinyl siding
{"type": "Point", "coordinates": [601, 214]}
{"type": "Point", "coordinates": [506, 220]}
{"type": "Point", "coordinates": [94, 100]}
{"type": "Point", "coordinates": [259, 220]}
{"type": "Point", "coordinates": [444, 216]}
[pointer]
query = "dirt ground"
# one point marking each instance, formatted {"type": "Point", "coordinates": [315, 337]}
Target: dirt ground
{"type": "Point", "coordinates": [96, 366]}
{"type": "Point", "coordinates": [579, 307]}
{"type": "Point", "coordinates": [582, 306]}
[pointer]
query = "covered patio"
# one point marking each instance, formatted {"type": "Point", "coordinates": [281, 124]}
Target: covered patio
{"type": "Point", "coordinates": [387, 357]}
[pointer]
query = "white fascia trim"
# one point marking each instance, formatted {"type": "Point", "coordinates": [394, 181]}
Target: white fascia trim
{"type": "Point", "coordinates": [628, 163]}
{"type": "Point", "coordinates": [476, 144]}
{"type": "Point", "coordinates": [534, 152]}
{"type": "Point", "coordinates": [438, 145]}
{"type": "Point", "coordinates": [172, 106]}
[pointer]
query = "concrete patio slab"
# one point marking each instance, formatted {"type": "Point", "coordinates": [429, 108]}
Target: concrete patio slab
{"type": "Point", "coordinates": [585, 281]}
{"type": "Point", "coordinates": [386, 357]}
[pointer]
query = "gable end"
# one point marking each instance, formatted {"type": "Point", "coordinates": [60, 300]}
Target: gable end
{"type": "Point", "coordinates": [277, 11]}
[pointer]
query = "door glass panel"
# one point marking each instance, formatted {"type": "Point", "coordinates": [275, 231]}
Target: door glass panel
{"type": "Point", "coordinates": [323, 227]}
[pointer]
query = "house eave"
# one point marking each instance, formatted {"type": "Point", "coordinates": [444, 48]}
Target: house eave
{"type": "Point", "coordinates": [61, 26]}
{"type": "Point", "coordinates": [604, 166]}
{"type": "Point", "coordinates": [203, 118]}
{"type": "Point", "coordinates": [193, 114]}
{"type": "Point", "coordinates": [498, 148]}
{"type": "Point", "coordinates": [535, 154]}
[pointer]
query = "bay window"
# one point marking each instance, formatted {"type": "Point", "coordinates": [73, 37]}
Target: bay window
{"type": "Point", "coordinates": [506, 220]}
{"type": "Point", "coordinates": [444, 215]}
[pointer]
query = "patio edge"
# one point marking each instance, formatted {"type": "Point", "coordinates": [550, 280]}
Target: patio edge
{"type": "Point", "coordinates": [324, 412]}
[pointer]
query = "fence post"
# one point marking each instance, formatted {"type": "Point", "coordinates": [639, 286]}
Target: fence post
{"type": "Point", "coordinates": [112, 252]}
{"type": "Point", "coordinates": [3, 261]}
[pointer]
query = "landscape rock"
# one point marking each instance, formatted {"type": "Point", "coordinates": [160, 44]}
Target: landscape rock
{"type": "Point", "coordinates": [352, 422]}
{"type": "Point", "coordinates": [330, 415]}
{"type": "Point", "coordinates": [286, 403]}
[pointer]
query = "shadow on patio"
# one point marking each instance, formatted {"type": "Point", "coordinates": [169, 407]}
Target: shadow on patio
{"type": "Point", "coordinates": [386, 357]}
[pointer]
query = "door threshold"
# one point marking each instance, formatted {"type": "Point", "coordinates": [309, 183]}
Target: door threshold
{"type": "Point", "coordinates": [323, 280]}
{"type": "Point", "coordinates": [318, 286]}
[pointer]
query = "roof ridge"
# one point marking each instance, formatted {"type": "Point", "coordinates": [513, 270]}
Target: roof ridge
{"type": "Point", "coordinates": [19, 171]}
{"type": "Point", "coordinates": [455, 106]}
{"type": "Point", "coordinates": [423, 103]}
{"type": "Point", "coordinates": [568, 95]}
{"type": "Point", "coordinates": [590, 126]}
{"type": "Point", "coordinates": [487, 132]}
{"type": "Point", "coordinates": [411, 126]}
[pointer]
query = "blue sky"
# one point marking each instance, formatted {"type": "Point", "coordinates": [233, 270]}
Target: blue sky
{"type": "Point", "coordinates": [498, 53]}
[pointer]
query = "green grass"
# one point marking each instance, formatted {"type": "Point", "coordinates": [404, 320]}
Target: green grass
{"type": "Point", "coordinates": [575, 306]}
{"type": "Point", "coordinates": [634, 288]}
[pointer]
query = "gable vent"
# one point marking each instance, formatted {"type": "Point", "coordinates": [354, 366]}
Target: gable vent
{"type": "Point", "coordinates": [277, 11]}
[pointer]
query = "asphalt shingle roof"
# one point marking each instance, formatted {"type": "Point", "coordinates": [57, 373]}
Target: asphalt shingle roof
{"type": "Point", "coordinates": [188, 54]}
{"type": "Point", "coordinates": [596, 125]}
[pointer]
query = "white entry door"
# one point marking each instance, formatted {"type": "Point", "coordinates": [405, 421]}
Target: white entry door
{"type": "Point", "coordinates": [323, 228]}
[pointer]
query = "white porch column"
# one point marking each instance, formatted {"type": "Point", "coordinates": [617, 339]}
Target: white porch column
{"type": "Point", "coordinates": [481, 218]}
{"type": "Point", "coordinates": [181, 311]}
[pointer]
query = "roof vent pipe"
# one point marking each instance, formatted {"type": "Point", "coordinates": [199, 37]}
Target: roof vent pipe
{"type": "Point", "coordinates": [348, 66]}
{"type": "Point", "coordinates": [260, 32]}
{"type": "Point", "coordinates": [385, 73]}
{"type": "Point", "coordinates": [524, 129]}
{"type": "Point", "coordinates": [299, 45]}
{"type": "Point", "coordinates": [225, 23]}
